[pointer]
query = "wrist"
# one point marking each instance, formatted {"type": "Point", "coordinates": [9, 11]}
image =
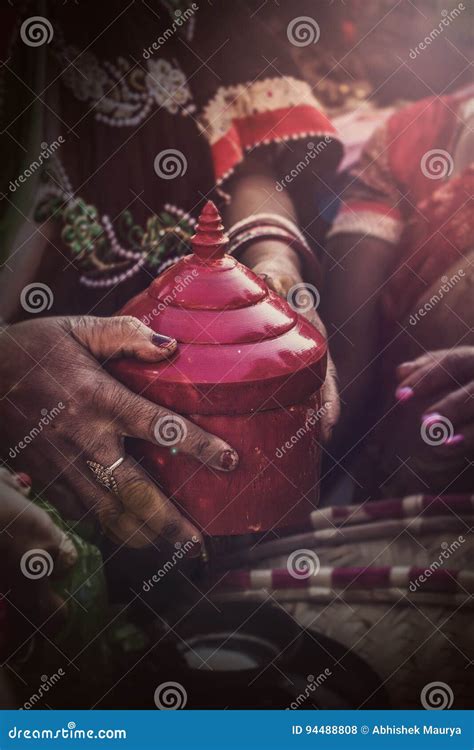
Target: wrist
{"type": "Point", "coordinates": [274, 252]}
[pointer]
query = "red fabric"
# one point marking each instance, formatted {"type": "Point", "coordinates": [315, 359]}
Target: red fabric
{"type": "Point", "coordinates": [266, 127]}
{"type": "Point", "coordinates": [439, 212]}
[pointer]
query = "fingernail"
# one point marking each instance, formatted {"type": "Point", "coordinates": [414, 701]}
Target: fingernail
{"type": "Point", "coordinates": [431, 417]}
{"type": "Point", "coordinates": [24, 480]}
{"type": "Point", "coordinates": [403, 394]}
{"type": "Point", "coordinates": [162, 341]}
{"type": "Point", "coordinates": [229, 460]}
{"type": "Point", "coordinates": [454, 439]}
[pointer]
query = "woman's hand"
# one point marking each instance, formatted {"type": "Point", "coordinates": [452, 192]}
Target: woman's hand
{"type": "Point", "coordinates": [33, 551]}
{"type": "Point", "coordinates": [280, 266]}
{"type": "Point", "coordinates": [53, 366]}
{"type": "Point", "coordinates": [444, 379]}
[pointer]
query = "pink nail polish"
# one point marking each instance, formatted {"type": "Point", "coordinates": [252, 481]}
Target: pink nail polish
{"type": "Point", "coordinates": [432, 417]}
{"type": "Point", "coordinates": [455, 439]}
{"type": "Point", "coordinates": [403, 394]}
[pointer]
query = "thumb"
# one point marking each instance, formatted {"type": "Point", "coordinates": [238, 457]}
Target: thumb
{"type": "Point", "coordinates": [121, 336]}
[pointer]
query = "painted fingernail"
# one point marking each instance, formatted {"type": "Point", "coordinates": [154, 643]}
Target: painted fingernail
{"type": "Point", "coordinates": [403, 394]}
{"type": "Point", "coordinates": [24, 480]}
{"type": "Point", "coordinates": [229, 460]}
{"type": "Point", "coordinates": [431, 417]}
{"type": "Point", "coordinates": [162, 341]}
{"type": "Point", "coordinates": [454, 439]}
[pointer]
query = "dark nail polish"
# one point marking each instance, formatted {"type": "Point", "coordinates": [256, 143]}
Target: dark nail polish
{"type": "Point", "coordinates": [229, 460]}
{"type": "Point", "coordinates": [162, 341]}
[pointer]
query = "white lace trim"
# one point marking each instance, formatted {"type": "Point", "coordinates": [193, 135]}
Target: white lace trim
{"type": "Point", "coordinates": [245, 100]}
{"type": "Point", "coordinates": [368, 223]}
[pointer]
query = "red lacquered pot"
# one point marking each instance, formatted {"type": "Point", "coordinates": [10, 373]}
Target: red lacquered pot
{"type": "Point", "coordinates": [249, 369]}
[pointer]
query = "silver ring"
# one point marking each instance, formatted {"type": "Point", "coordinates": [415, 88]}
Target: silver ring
{"type": "Point", "coordinates": [105, 474]}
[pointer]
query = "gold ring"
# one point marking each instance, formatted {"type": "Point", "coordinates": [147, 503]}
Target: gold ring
{"type": "Point", "coordinates": [105, 474]}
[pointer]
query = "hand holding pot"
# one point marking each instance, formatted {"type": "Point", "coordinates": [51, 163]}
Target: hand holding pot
{"type": "Point", "coordinates": [53, 367]}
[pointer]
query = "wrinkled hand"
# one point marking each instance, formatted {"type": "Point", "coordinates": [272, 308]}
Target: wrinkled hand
{"type": "Point", "coordinates": [283, 276]}
{"type": "Point", "coordinates": [55, 363]}
{"type": "Point", "coordinates": [444, 379]}
{"type": "Point", "coordinates": [33, 552]}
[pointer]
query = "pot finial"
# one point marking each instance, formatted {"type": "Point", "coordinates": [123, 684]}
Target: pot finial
{"type": "Point", "coordinates": [210, 241]}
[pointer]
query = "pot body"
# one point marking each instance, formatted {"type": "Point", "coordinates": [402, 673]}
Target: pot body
{"type": "Point", "coordinates": [274, 486]}
{"type": "Point", "coordinates": [249, 369]}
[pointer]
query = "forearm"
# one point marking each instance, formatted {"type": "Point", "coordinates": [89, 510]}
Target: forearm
{"type": "Point", "coordinates": [356, 269]}
{"type": "Point", "coordinates": [253, 191]}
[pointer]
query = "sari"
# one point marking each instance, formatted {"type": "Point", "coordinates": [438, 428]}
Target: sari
{"type": "Point", "coordinates": [407, 192]}
{"type": "Point", "coordinates": [125, 126]}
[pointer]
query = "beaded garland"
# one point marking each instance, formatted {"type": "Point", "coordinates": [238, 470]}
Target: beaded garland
{"type": "Point", "coordinates": [94, 243]}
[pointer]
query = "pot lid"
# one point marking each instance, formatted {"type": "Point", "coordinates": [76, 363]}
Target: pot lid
{"type": "Point", "coordinates": [240, 346]}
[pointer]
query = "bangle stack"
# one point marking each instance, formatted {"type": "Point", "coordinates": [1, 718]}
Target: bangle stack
{"type": "Point", "coordinates": [266, 226]}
